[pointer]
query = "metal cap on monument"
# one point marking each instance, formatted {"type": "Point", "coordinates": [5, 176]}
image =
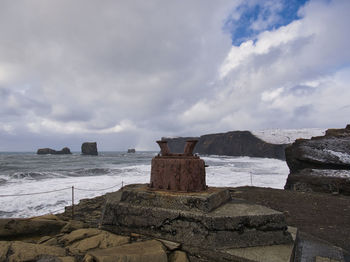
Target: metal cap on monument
{"type": "Point", "coordinates": [178, 172]}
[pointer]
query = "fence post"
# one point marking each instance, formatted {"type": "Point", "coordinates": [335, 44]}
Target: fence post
{"type": "Point", "coordinates": [72, 202]}
{"type": "Point", "coordinates": [251, 179]}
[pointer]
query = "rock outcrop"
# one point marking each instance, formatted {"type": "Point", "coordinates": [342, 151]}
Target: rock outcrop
{"type": "Point", "coordinates": [37, 226]}
{"type": "Point", "coordinates": [46, 151]}
{"type": "Point", "coordinates": [321, 163]}
{"type": "Point", "coordinates": [131, 150]}
{"type": "Point", "coordinates": [235, 143]}
{"type": "Point", "coordinates": [89, 148]}
{"type": "Point", "coordinates": [28, 240]}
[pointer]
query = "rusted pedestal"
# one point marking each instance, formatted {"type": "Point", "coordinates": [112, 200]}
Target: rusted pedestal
{"type": "Point", "coordinates": [178, 172]}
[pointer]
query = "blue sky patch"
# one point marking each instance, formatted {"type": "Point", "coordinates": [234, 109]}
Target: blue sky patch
{"type": "Point", "coordinates": [253, 17]}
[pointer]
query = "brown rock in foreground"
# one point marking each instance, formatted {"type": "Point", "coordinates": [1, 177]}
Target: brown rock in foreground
{"type": "Point", "coordinates": [151, 250]}
{"type": "Point", "coordinates": [11, 228]}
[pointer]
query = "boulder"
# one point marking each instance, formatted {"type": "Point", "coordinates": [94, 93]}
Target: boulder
{"type": "Point", "coordinates": [4, 248]}
{"type": "Point", "coordinates": [178, 256]}
{"type": "Point", "coordinates": [46, 151]}
{"type": "Point", "coordinates": [320, 180]}
{"type": "Point", "coordinates": [79, 235]}
{"type": "Point", "coordinates": [82, 240]}
{"type": "Point", "coordinates": [14, 228]}
{"type": "Point", "coordinates": [21, 251]}
{"type": "Point", "coordinates": [321, 163]}
{"type": "Point", "coordinates": [73, 225]}
{"type": "Point", "coordinates": [150, 250]}
{"type": "Point", "coordinates": [89, 148]}
{"type": "Point", "coordinates": [327, 152]}
{"type": "Point", "coordinates": [170, 245]}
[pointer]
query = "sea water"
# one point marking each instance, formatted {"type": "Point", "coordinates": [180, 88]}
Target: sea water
{"type": "Point", "coordinates": [32, 185]}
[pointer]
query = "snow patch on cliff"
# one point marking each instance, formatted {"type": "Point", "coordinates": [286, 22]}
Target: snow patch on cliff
{"type": "Point", "coordinates": [343, 157]}
{"type": "Point", "coordinates": [287, 136]}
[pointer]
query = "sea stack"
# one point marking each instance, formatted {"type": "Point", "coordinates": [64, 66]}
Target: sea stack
{"type": "Point", "coordinates": [46, 151]}
{"type": "Point", "coordinates": [89, 148]}
{"type": "Point", "coordinates": [131, 150]}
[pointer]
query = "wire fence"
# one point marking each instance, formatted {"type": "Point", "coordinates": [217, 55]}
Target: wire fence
{"type": "Point", "coordinates": [72, 188]}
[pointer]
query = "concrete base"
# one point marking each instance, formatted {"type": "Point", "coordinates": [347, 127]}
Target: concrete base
{"type": "Point", "coordinates": [202, 220]}
{"type": "Point", "coordinates": [269, 253]}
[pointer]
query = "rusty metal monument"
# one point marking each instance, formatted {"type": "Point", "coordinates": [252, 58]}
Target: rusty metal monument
{"type": "Point", "coordinates": [178, 206]}
{"type": "Point", "coordinates": [178, 172]}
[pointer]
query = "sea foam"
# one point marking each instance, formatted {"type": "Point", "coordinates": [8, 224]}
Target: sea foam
{"type": "Point", "coordinates": [94, 176]}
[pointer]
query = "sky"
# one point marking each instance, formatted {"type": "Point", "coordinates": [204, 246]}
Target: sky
{"type": "Point", "coordinates": [126, 73]}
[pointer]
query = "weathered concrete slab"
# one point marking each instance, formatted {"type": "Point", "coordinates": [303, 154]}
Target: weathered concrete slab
{"type": "Point", "coordinates": [233, 224]}
{"type": "Point", "coordinates": [275, 253]}
{"type": "Point", "coordinates": [268, 253]}
{"type": "Point", "coordinates": [206, 201]}
{"type": "Point", "coordinates": [309, 247]}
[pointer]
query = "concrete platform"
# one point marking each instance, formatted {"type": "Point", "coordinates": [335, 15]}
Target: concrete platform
{"type": "Point", "coordinates": [209, 219]}
{"type": "Point", "coordinates": [195, 201]}
{"type": "Point", "coordinates": [269, 253]}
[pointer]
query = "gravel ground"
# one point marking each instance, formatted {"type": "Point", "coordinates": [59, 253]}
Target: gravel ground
{"type": "Point", "coordinates": [324, 216]}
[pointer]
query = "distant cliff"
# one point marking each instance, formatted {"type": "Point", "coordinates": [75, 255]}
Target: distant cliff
{"type": "Point", "coordinates": [235, 143]}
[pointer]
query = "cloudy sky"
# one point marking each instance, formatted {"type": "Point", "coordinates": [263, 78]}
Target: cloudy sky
{"type": "Point", "coordinates": [125, 73]}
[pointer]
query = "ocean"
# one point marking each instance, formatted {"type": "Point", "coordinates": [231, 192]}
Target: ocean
{"type": "Point", "coordinates": [32, 185]}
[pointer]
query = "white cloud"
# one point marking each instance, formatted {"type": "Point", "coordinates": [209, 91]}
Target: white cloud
{"type": "Point", "coordinates": [289, 77]}
{"type": "Point", "coordinates": [125, 73]}
{"type": "Point", "coordinates": [88, 67]}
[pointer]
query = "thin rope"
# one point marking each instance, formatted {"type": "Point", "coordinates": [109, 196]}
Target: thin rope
{"type": "Point", "coordinates": [101, 189]}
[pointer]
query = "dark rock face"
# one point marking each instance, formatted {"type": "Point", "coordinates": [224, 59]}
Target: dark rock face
{"type": "Point", "coordinates": [65, 150]}
{"type": "Point", "coordinates": [131, 150]}
{"type": "Point", "coordinates": [320, 163]}
{"type": "Point", "coordinates": [89, 148]}
{"type": "Point", "coordinates": [46, 151]}
{"type": "Point", "coordinates": [320, 180]}
{"type": "Point", "coordinates": [235, 143]}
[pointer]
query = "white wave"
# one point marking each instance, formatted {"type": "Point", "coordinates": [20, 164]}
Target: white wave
{"type": "Point", "coordinates": [222, 172]}
{"type": "Point", "coordinates": [247, 171]}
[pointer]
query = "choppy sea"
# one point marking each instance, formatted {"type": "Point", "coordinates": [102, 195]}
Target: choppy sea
{"type": "Point", "coordinates": [32, 185]}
